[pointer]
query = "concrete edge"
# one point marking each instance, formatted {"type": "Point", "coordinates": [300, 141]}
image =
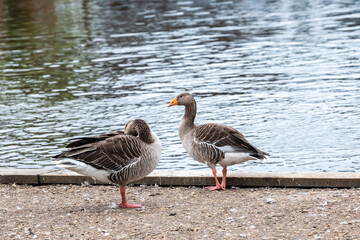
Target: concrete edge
{"type": "Point", "coordinates": [191, 178]}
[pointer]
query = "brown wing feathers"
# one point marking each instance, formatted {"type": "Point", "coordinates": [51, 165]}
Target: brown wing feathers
{"type": "Point", "coordinates": [108, 151]}
{"type": "Point", "coordinates": [79, 142]}
{"type": "Point", "coordinates": [221, 135]}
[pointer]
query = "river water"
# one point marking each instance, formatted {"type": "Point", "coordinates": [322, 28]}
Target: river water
{"type": "Point", "coordinates": [285, 73]}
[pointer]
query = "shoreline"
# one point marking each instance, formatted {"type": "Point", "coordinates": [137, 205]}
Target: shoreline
{"type": "Point", "coordinates": [191, 178]}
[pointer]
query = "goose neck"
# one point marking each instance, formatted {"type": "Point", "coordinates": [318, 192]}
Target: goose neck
{"type": "Point", "coordinates": [189, 115]}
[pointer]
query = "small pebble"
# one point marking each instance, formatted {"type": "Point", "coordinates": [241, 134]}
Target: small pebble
{"type": "Point", "coordinates": [154, 194]}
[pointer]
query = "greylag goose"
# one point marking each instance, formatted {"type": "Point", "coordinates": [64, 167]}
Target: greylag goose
{"type": "Point", "coordinates": [117, 157]}
{"type": "Point", "coordinates": [213, 143]}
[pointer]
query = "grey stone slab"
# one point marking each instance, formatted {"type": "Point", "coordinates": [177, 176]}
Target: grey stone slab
{"type": "Point", "coordinates": [19, 176]}
{"type": "Point", "coordinates": [66, 177]}
{"type": "Point", "coordinates": [191, 178]}
{"type": "Point", "coordinates": [19, 179]}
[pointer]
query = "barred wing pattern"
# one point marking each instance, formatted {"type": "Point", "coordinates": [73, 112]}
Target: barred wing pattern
{"type": "Point", "coordinates": [111, 151]}
{"type": "Point", "coordinates": [77, 142]}
{"type": "Point", "coordinates": [219, 139]}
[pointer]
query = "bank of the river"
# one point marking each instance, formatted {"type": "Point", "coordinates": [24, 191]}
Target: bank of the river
{"type": "Point", "coordinates": [91, 212]}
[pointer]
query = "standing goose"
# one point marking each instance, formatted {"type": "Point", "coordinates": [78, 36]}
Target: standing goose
{"type": "Point", "coordinates": [213, 143]}
{"type": "Point", "coordinates": [118, 157]}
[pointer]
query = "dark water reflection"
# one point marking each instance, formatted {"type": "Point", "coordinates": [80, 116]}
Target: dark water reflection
{"type": "Point", "coordinates": [285, 73]}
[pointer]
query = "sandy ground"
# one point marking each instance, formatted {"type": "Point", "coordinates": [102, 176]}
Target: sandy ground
{"type": "Point", "coordinates": [91, 212]}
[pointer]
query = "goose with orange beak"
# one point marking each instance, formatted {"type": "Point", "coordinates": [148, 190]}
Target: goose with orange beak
{"type": "Point", "coordinates": [213, 143]}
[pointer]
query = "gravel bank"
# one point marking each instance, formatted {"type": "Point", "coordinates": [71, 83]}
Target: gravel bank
{"type": "Point", "coordinates": [91, 212]}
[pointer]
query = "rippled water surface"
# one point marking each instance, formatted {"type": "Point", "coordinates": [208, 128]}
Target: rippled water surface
{"type": "Point", "coordinates": [285, 73]}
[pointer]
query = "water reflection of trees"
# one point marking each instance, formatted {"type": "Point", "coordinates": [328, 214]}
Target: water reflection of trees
{"type": "Point", "coordinates": [41, 46]}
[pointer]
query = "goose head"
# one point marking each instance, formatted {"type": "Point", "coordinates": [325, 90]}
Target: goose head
{"type": "Point", "coordinates": [136, 127]}
{"type": "Point", "coordinates": [184, 98]}
{"type": "Point", "coordinates": [131, 129]}
{"type": "Point", "coordinates": [139, 127]}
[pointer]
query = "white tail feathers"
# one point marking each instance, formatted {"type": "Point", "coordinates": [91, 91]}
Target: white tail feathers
{"type": "Point", "coordinates": [83, 169]}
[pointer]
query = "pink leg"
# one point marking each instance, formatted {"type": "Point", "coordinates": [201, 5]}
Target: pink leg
{"type": "Point", "coordinates": [124, 203]}
{"type": "Point", "coordinates": [218, 186]}
{"type": "Point", "coordinates": [223, 181]}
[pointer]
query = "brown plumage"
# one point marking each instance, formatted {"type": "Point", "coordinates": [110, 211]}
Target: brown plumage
{"type": "Point", "coordinates": [222, 135]}
{"type": "Point", "coordinates": [106, 152]}
{"type": "Point", "coordinates": [213, 143]}
{"type": "Point", "coordinates": [119, 157]}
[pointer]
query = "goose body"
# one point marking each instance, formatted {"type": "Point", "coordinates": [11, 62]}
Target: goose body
{"type": "Point", "coordinates": [213, 143]}
{"type": "Point", "coordinates": [117, 157]}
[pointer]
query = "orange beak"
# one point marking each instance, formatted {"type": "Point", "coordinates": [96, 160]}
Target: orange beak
{"type": "Point", "coordinates": [173, 102]}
